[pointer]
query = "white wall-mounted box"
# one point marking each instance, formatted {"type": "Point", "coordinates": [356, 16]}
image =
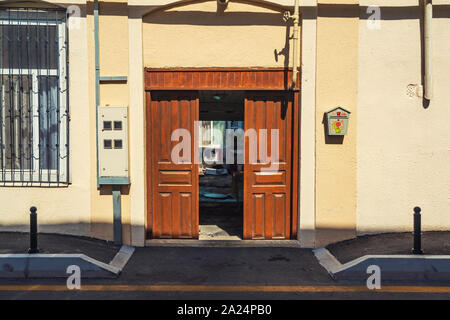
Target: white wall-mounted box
{"type": "Point", "coordinates": [112, 143]}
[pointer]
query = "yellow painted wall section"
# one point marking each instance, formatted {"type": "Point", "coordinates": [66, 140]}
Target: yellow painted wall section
{"type": "Point", "coordinates": [361, 183]}
{"type": "Point", "coordinates": [101, 223]}
{"type": "Point", "coordinates": [203, 35]}
{"type": "Point", "coordinates": [113, 37]}
{"type": "Point", "coordinates": [336, 85]}
{"type": "Point", "coordinates": [113, 54]}
{"type": "Point", "coordinates": [64, 209]}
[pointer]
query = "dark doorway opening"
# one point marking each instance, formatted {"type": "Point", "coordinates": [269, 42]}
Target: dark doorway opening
{"type": "Point", "coordinates": [220, 177]}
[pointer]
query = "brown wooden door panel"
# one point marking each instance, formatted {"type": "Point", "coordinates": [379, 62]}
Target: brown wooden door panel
{"type": "Point", "coordinates": [267, 193]}
{"type": "Point", "coordinates": [174, 187]}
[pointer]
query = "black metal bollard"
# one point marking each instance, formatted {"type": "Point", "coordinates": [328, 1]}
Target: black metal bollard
{"type": "Point", "coordinates": [417, 232]}
{"type": "Point", "coordinates": [33, 231]}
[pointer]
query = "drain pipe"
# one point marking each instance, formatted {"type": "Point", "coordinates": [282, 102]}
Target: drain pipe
{"type": "Point", "coordinates": [116, 189]}
{"type": "Point", "coordinates": [428, 79]}
{"type": "Point", "coordinates": [97, 81]}
{"type": "Point", "coordinates": [296, 37]}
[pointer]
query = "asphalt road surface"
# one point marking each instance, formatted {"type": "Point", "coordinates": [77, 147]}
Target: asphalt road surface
{"type": "Point", "coordinates": [204, 273]}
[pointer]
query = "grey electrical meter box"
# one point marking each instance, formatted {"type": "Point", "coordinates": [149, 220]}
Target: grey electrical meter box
{"type": "Point", "coordinates": [337, 121]}
{"type": "Point", "coordinates": [113, 145]}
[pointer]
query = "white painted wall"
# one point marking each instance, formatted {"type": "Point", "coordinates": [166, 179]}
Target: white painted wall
{"type": "Point", "coordinates": [403, 149]}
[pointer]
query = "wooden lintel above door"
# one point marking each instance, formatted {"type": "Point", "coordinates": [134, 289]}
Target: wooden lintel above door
{"type": "Point", "coordinates": [218, 79]}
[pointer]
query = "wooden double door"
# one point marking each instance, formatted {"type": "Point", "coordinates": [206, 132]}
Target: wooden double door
{"type": "Point", "coordinates": [173, 188]}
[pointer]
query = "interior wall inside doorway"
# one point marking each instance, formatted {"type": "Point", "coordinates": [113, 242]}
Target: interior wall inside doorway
{"type": "Point", "coordinates": [220, 180]}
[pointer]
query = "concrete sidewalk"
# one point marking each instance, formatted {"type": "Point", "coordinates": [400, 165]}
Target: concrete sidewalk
{"type": "Point", "coordinates": [433, 243]}
{"type": "Point", "coordinates": [196, 265]}
{"type": "Point", "coordinates": [57, 255]}
{"type": "Point", "coordinates": [51, 266]}
{"type": "Point", "coordinates": [18, 243]}
{"type": "Point", "coordinates": [187, 265]}
{"type": "Point", "coordinates": [423, 269]}
{"type": "Point", "coordinates": [349, 260]}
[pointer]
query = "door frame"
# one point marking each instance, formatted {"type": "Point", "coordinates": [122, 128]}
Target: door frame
{"type": "Point", "coordinates": [233, 79]}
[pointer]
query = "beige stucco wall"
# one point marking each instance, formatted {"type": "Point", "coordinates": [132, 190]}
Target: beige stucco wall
{"type": "Point", "coordinates": [336, 85]}
{"type": "Point", "coordinates": [201, 35]}
{"type": "Point", "coordinates": [61, 209]}
{"type": "Point", "coordinates": [80, 208]}
{"type": "Point", "coordinates": [113, 57]}
{"type": "Point", "coordinates": [307, 150]}
{"type": "Point", "coordinates": [403, 148]}
{"type": "Point", "coordinates": [394, 156]}
{"type": "Point", "coordinates": [138, 190]}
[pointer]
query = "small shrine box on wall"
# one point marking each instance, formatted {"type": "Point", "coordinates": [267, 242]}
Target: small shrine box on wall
{"type": "Point", "coordinates": [337, 121]}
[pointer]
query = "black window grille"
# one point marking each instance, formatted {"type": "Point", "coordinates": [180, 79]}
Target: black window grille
{"type": "Point", "coordinates": [34, 129]}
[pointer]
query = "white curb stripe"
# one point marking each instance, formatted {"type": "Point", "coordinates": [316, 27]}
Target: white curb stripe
{"type": "Point", "coordinates": [327, 260]}
{"type": "Point", "coordinates": [393, 257]}
{"type": "Point", "coordinates": [121, 258]}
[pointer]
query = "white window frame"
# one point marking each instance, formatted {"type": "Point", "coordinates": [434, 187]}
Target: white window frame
{"type": "Point", "coordinates": [35, 174]}
{"type": "Point", "coordinates": [211, 134]}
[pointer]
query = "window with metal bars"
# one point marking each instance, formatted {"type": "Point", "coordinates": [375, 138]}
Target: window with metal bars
{"type": "Point", "coordinates": [34, 144]}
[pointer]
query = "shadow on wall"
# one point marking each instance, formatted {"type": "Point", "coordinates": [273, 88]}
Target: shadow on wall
{"type": "Point", "coordinates": [96, 230]}
{"type": "Point", "coordinates": [225, 18]}
{"type": "Point", "coordinates": [107, 190]}
{"type": "Point", "coordinates": [218, 18]}
{"type": "Point", "coordinates": [285, 51]}
{"type": "Point", "coordinates": [215, 18]}
{"type": "Point", "coordinates": [323, 235]}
